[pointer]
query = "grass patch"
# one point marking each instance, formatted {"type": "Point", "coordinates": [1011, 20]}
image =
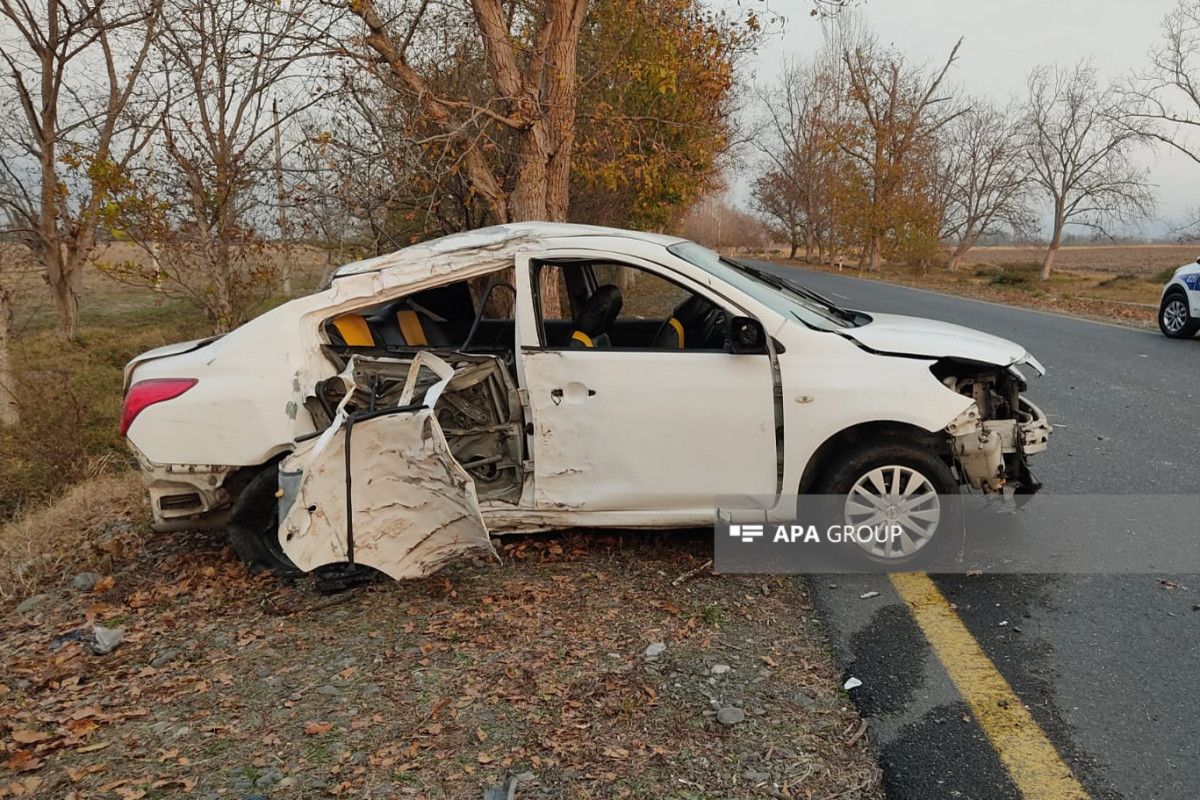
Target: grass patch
{"type": "Point", "coordinates": [96, 522]}
{"type": "Point", "coordinates": [1163, 275]}
{"type": "Point", "coordinates": [1118, 281]}
{"type": "Point", "coordinates": [1021, 275]}
{"type": "Point", "coordinates": [1125, 294]}
{"type": "Point", "coordinates": [70, 404]}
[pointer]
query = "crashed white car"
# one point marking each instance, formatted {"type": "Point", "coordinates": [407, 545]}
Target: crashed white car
{"type": "Point", "coordinates": [1179, 309]}
{"type": "Point", "coordinates": [534, 376]}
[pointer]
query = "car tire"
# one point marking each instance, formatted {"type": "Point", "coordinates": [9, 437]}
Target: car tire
{"type": "Point", "coordinates": [1174, 317]}
{"type": "Point", "coordinates": [253, 526]}
{"type": "Point", "coordinates": [911, 466]}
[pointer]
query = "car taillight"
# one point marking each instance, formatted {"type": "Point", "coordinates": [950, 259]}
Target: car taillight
{"type": "Point", "coordinates": [146, 393]}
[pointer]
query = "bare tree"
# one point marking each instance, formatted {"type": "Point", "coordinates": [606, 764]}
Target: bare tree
{"type": "Point", "coordinates": [1080, 153]}
{"type": "Point", "coordinates": [324, 201]}
{"type": "Point", "coordinates": [714, 223]}
{"type": "Point", "coordinates": [1163, 101]}
{"type": "Point", "coordinates": [903, 108]}
{"type": "Point", "coordinates": [791, 189]}
{"type": "Point", "coordinates": [73, 140]}
{"type": "Point", "coordinates": [774, 195]}
{"type": "Point", "coordinates": [983, 181]}
{"type": "Point", "coordinates": [201, 211]}
{"type": "Point", "coordinates": [377, 158]}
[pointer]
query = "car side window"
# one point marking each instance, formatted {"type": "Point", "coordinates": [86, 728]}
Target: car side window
{"type": "Point", "coordinates": [605, 304]}
{"type": "Point", "coordinates": [438, 317]}
{"type": "Point", "coordinates": [644, 295]}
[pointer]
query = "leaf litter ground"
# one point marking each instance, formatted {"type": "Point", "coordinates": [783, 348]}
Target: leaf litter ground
{"type": "Point", "coordinates": [527, 679]}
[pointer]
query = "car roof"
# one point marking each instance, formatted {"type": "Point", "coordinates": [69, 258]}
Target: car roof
{"type": "Point", "coordinates": [497, 240]}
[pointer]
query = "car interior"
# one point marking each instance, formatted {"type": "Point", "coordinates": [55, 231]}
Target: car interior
{"type": "Point", "coordinates": [600, 305]}
{"type": "Point", "coordinates": [608, 305]}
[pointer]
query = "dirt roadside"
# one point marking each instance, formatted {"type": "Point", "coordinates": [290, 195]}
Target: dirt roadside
{"type": "Point", "coordinates": [1123, 298]}
{"type": "Point", "coordinates": [534, 678]}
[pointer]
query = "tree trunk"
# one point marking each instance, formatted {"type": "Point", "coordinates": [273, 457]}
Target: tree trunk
{"type": "Point", "coordinates": [9, 411]}
{"type": "Point", "coordinates": [66, 300]}
{"type": "Point", "coordinates": [808, 244]}
{"type": "Point", "coordinates": [284, 233]}
{"type": "Point", "coordinates": [956, 256]}
{"type": "Point", "coordinates": [876, 252]}
{"type": "Point", "coordinates": [1055, 243]}
{"type": "Point", "coordinates": [795, 247]}
{"type": "Point", "coordinates": [59, 268]}
{"type": "Point", "coordinates": [1048, 261]}
{"type": "Point", "coordinates": [528, 199]}
{"type": "Point", "coordinates": [561, 93]}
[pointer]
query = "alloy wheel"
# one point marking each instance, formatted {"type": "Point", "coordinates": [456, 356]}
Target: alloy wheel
{"type": "Point", "coordinates": [1174, 315]}
{"type": "Point", "coordinates": [894, 495]}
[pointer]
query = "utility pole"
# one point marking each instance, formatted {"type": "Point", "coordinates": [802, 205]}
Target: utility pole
{"type": "Point", "coordinates": [280, 203]}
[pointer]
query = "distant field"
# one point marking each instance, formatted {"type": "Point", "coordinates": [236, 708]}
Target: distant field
{"type": "Point", "coordinates": [104, 300]}
{"type": "Point", "coordinates": [1133, 259]}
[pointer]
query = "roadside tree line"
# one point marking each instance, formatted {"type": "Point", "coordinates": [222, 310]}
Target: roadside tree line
{"type": "Point", "coordinates": [863, 154]}
{"type": "Point", "coordinates": [211, 133]}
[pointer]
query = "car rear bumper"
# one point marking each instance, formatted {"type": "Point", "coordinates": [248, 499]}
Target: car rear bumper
{"type": "Point", "coordinates": [186, 496]}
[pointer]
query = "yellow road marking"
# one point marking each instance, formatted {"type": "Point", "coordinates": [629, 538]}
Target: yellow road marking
{"type": "Point", "coordinates": [1033, 763]}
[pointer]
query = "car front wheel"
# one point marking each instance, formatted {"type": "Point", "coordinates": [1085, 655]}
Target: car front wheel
{"type": "Point", "coordinates": [1174, 318]}
{"type": "Point", "coordinates": [894, 482]}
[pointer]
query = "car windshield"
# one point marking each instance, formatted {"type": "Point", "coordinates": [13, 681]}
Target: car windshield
{"type": "Point", "coordinates": [788, 299]}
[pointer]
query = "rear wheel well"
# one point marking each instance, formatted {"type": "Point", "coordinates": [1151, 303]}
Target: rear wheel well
{"type": "Point", "coordinates": [827, 454]}
{"type": "Point", "coordinates": [237, 481]}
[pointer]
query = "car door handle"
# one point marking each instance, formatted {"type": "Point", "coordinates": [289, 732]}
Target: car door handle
{"type": "Point", "coordinates": [573, 392]}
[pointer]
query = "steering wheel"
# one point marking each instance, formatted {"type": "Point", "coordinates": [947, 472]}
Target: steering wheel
{"type": "Point", "coordinates": [713, 319]}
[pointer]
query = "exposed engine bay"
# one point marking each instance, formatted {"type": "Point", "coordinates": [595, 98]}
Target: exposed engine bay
{"type": "Point", "coordinates": [991, 441]}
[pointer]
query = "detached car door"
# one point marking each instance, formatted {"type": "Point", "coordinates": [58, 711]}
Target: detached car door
{"type": "Point", "coordinates": [644, 428]}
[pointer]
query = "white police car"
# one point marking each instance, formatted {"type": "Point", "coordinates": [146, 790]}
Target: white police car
{"type": "Point", "coordinates": [1179, 311]}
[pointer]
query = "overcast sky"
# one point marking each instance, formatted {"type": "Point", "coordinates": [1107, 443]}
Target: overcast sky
{"type": "Point", "coordinates": [1002, 41]}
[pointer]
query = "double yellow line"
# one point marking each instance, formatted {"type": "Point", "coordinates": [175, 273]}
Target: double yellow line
{"type": "Point", "coordinates": [1035, 766]}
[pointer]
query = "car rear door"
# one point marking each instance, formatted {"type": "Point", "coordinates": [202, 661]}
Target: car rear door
{"type": "Point", "coordinates": [381, 488]}
{"type": "Point", "coordinates": [643, 429]}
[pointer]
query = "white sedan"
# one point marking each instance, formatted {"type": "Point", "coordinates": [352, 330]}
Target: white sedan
{"type": "Point", "coordinates": [1179, 310]}
{"type": "Point", "coordinates": [535, 376]}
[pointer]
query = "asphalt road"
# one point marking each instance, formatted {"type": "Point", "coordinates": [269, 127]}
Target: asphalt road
{"type": "Point", "coordinates": [1107, 664]}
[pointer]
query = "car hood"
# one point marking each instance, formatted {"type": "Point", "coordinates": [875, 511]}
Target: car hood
{"type": "Point", "coordinates": [913, 336]}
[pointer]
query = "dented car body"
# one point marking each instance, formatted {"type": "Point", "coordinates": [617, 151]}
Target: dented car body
{"type": "Point", "coordinates": [534, 376]}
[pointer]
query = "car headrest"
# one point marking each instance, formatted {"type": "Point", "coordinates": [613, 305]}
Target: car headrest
{"type": "Point", "coordinates": [600, 310]}
{"type": "Point", "coordinates": [692, 310]}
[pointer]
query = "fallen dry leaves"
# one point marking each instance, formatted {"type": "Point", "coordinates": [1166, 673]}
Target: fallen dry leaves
{"type": "Point", "coordinates": [433, 688]}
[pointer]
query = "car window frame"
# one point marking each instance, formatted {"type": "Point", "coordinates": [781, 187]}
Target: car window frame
{"type": "Point", "coordinates": [391, 294]}
{"type": "Point", "coordinates": [623, 259]}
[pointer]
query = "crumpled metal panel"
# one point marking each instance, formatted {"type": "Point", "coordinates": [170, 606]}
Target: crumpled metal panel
{"type": "Point", "coordinates": [400, 503]}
